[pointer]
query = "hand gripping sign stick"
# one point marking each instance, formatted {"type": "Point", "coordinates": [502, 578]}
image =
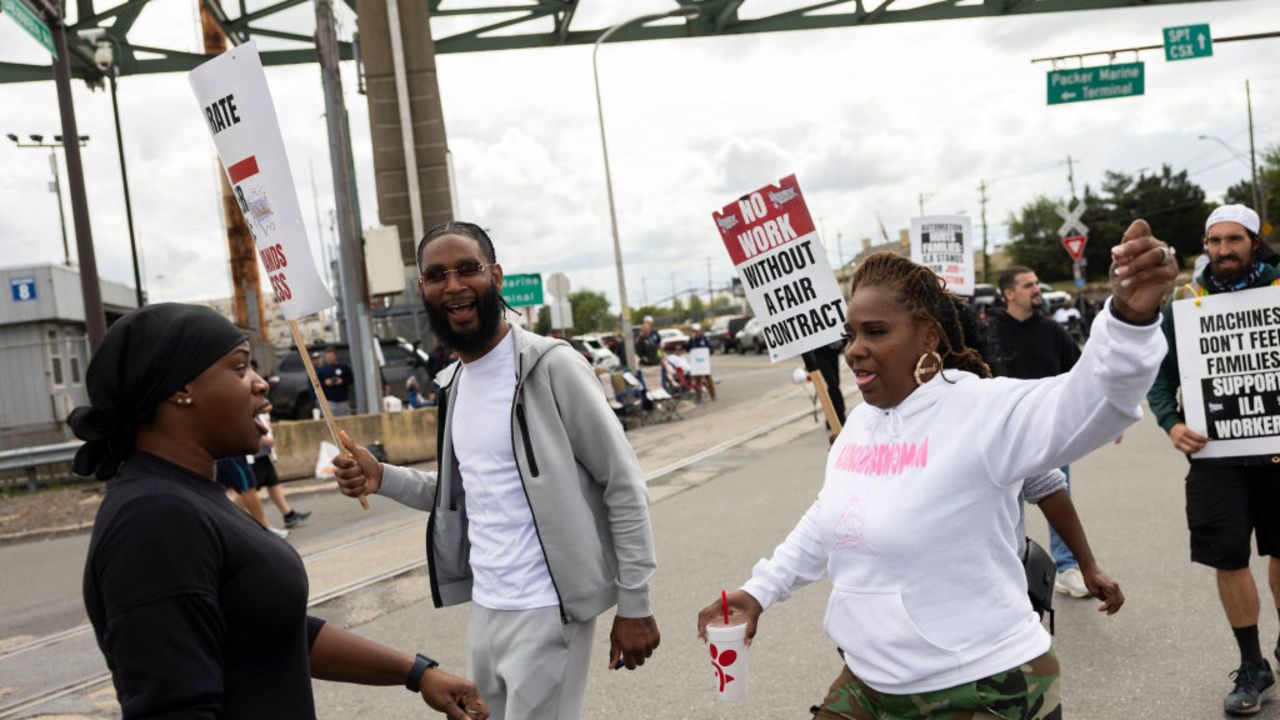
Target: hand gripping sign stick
{"type": "Point", "coordinates": [231, 90]}
{"type": "Point", "coordinates": [821, 395]}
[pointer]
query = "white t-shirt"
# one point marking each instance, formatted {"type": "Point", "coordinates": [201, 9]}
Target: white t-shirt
{"type": "Point", "coordinates": [507, 563]}
{"type": "Point", "coordinates": [392, 404]}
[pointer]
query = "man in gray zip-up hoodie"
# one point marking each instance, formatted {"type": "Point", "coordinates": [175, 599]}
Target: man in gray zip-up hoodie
{"type": "Point", "coordinates": [539, 513]}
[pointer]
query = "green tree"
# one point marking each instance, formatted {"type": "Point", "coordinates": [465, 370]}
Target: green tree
{"type": "Point", "coordinates": [1269, 174]}
{"type": "Point", "coordinates": [696, 305]}
{"type": "Point", "coordinates": [590, 312]}
{"type": "Point", "coordinates": [543, 325]}
{"type": "Point", "coordinates": [638, 313]}
{"type": "Point", "coordinates": [1034, 240]}
{"type": "Point", "coordinates": [677, 308]}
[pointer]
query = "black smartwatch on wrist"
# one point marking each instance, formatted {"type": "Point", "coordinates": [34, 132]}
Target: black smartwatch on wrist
{"type": "Point", "coordinates": [421, 664]}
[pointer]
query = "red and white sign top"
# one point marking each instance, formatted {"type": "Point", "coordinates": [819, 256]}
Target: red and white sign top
{"type": "Point", "coordinates": [1075, 245]}
{"type": "Point", "coordinates": [763, 220]}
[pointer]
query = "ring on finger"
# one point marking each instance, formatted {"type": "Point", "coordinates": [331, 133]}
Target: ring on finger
{"type": "Point", "coordinates": [1168, 255]}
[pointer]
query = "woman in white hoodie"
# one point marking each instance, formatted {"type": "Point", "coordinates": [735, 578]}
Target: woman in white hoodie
{"type": "Point", "coordinates": [915, 522]}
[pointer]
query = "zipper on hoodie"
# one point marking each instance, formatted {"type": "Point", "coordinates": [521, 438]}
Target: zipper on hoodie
{"type": "Point", "coordinates": [524, 431]}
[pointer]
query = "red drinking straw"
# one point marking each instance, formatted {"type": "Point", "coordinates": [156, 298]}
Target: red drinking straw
{"type": "Point", "coordinates": [724, 605]}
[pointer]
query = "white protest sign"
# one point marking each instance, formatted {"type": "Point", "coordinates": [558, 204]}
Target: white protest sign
{"type": "Point", "coordinates": [783, 267]}
{"type": "Point", "coordinates": [236, 104]}
{"type": "Point", "coordinates": [944, 244]}
{"type": "Point", "coordinates": [700, 361]}
{"type": "Point", "coordinates": [1229, 363]}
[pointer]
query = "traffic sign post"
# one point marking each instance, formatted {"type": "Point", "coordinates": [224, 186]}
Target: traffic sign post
{"type": "Point", "coordinates": [28, 20]}
{"type": "Point", "coordinates": [1095, 83]}
{"type": "Point", "coordinates": [1187, 42]}
{"type": "Point", "coordinates": [522, 290]}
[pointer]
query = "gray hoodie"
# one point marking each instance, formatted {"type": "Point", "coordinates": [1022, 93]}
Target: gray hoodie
{"type": "Point", "coordinates": [580, 475]}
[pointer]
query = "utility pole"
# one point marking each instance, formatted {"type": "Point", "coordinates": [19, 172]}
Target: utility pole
{"type": "Point", "coordinates": [840, 247]}
{"type": "Point", "coordinates": [711, 295]}
{"type": "Point", "coordinates": [350, 257]}
{"type": "Point", "coordinates": [674, 296]}
{"type": "Point", "coordinates": [1071, 176]}
{"type": "Point", "coordinates": [62, 218]}
{"type": "Point", "coordinates": [644, 292]}
{"type": "Point", "coordinates": [124, 178]}
{"type": "Point", "coordinates": [982, 189]}
{"type": "Point", "coordinates": [95, 319]}
{"type": "Point", "coordinates": [1259, 195]}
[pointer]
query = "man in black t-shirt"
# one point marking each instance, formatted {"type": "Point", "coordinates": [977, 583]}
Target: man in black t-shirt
{"type": "Point", "coordinates": [335, 379]}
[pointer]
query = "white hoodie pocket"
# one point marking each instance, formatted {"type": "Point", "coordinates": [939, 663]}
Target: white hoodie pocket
{"type": "Point", "coordinates": [881, 643]}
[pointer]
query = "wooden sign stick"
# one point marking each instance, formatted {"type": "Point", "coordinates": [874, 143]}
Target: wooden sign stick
{"type": "Point", "coordinates": [820, 386]}
{"type": "Point", "coordinates": [320, 398]}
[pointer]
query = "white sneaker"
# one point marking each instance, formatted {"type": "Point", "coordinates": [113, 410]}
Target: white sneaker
{"type": "Point", "coordinates": [282, 534]}
{"type": "Point", "coordinates": [1071, 582]}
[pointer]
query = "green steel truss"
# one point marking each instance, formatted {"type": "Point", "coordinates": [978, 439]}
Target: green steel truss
{"type": "Point", "coordinates": [511, 24]}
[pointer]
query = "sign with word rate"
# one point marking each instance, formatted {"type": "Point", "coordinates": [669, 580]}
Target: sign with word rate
{"type": "Point", "coordinates": [231, 90]}
{"type": "Point", "coordinates": [1229, 364]}
{"type": "Point", "coordinates": [28, 20]}
{"type": "Point", "coordinates": [944, 244]}
{"type": "Point", "coordinates": [1095, 83]}
{"type": "Point", "coordinates": [771, 239]}
{"type": "Point", "coordinates": [1187, 42]}
{"type": "Point", "coordinates": [523, 290]}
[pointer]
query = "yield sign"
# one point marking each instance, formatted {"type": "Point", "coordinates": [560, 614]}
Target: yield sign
{"type": "Point", "coordinates": [1072, 217]}
{"type": "Point", "coordinates": [1075, 245]}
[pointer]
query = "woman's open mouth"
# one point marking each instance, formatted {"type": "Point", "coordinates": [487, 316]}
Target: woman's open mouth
{"type": "Point", "coordinates": [263, 409]}
{"type": "Point", "coordinates": [863, 378]}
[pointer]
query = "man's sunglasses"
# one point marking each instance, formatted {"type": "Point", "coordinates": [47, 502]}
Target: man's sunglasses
{"type": "Point", "coordinates": [439, 276]}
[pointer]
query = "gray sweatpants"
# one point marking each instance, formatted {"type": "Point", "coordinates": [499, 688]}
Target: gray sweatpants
{"type": "Point", "coordinates": [527, 664]}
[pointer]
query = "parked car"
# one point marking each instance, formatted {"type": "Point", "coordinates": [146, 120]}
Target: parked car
{"type": "Point", "coordinates": [601, 356]}
{"type": "Point", "coordinates": [750, 337]}
{"type": "Point", "coordinates": [290, 389]}
{"type": "Point", "coordinates": [672, 336]}
{"type": "Point", "coordinates": [725, 337]}
{"type": "Point", "coordinates": [984, 294]}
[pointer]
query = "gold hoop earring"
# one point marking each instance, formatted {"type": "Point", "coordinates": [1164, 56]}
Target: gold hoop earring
{"type": "Point", "coordinates": [921, 369]}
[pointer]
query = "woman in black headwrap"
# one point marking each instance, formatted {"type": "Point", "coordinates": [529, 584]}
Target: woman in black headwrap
{"type": "Point", "coordinates": [200, 612]}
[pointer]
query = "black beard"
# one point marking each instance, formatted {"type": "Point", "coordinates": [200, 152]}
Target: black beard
{"type": "Point", "coordinates": [489, 310]}
{"type": "Point", "coordinates": [1228, 277]}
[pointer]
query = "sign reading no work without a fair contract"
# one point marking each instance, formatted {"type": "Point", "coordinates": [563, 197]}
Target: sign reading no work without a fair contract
{"type": "Point", "coordinates": [1229, 363]}
{"type": "Point", "coordinates": [236, 105]}
{"type": "Point", "coordinates": [1095, 83]}
{"type": "Point", "coordinates": [775, 249]}
{"type": "Point", "coordinates": [944, 244]}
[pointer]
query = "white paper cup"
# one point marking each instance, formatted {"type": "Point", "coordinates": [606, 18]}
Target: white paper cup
{"type": "Point", "coordinates": [729, 657]}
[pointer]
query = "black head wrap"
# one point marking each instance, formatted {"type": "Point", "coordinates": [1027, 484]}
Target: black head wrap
{"type": "Point", "coordinates": [146, 356]}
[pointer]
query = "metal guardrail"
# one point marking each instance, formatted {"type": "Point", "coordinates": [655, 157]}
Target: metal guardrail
{"type": "Point", "coordinates": [32, 458]}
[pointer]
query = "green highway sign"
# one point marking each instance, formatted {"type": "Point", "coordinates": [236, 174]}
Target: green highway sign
{"type": "Point", "coordinates": [1187, 42]}
{"type": "Point", "coordinates": [522, 290]}
{"type": "Point", "coordinates": [1095, 83]}
{"type": "Point", "coordinates": [29, 21]}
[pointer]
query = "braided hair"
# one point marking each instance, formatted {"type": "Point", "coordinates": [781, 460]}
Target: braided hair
{"type": "Point", "coordinates": [924, 295]}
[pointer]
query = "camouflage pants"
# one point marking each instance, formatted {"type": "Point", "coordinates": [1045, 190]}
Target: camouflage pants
{"type": "Point", "coordinates": [1028, 692]}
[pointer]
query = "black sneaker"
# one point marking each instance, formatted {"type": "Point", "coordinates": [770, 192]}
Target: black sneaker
{"type": "Point", "coordinates": [1254, 684]}
{"type": "Point", "coordinates": [295, 518]}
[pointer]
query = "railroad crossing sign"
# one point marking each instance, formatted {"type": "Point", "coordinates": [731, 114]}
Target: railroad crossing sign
{"type": "Point", "coordinates": [1095, 83]}
{"type": "Point", "coordinates": [1075, 246]}
{"type": "Point", "coordinates": [28, 20]}
{"type": "Point", "coordinates": [1072, 217]}
{"type": "Point", "coordinates": [522, 290]}
{"type": "Point", "coordinates": [1187, 42]}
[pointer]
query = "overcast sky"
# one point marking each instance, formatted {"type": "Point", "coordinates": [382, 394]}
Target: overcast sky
{"type": "Point", "coordinates": [868, 118]}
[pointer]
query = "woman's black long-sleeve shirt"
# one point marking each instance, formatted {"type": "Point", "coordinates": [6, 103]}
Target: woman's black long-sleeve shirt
{"type": "Point", "coordinates": [199, 610]}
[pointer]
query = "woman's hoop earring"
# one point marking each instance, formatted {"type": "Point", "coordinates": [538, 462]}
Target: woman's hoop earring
{"type": "Point", "coordinates": [921, 369]}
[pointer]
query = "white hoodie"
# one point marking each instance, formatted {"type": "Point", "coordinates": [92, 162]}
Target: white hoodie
{"type": "Point", "coordinates": [915, 523]}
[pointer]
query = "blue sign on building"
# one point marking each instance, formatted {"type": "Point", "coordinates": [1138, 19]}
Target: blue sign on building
{"type": "Point", "coordinates": [24, 288]}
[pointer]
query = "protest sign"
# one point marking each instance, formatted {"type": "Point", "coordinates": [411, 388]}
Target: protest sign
{"type": "Point", "coordinates": [944, 244]}
{"type": "Point", "coordinates": [775, 249]}
{"type": "Point", "coordinates": [700, 361]}
{"type": "Point", "coordinates": [1229, 363]}
{"type": "Point", "coordinates": [236, 105]}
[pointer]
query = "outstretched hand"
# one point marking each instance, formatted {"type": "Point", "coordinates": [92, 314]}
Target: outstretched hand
{"type": "Point", "coordinates": [1101, 586]}
{"type": "Point", "coordinates": [456, 697]}
{"type": "Point", "coordinates": [741, 604]}
{"type": "Point", "coordinates": [357, 471]}
{"type": "Point", "coordinates": [1142, 274]}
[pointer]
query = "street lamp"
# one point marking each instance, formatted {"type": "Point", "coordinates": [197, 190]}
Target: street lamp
{"type": "Point", "coordinates": [37, 141]}
{"type": "Point", "coordinates": [1259, 201]}
{"type": "Point", "coordinates": [685, 11]}
{"type": "Point", "coordinates": [104, 56]}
